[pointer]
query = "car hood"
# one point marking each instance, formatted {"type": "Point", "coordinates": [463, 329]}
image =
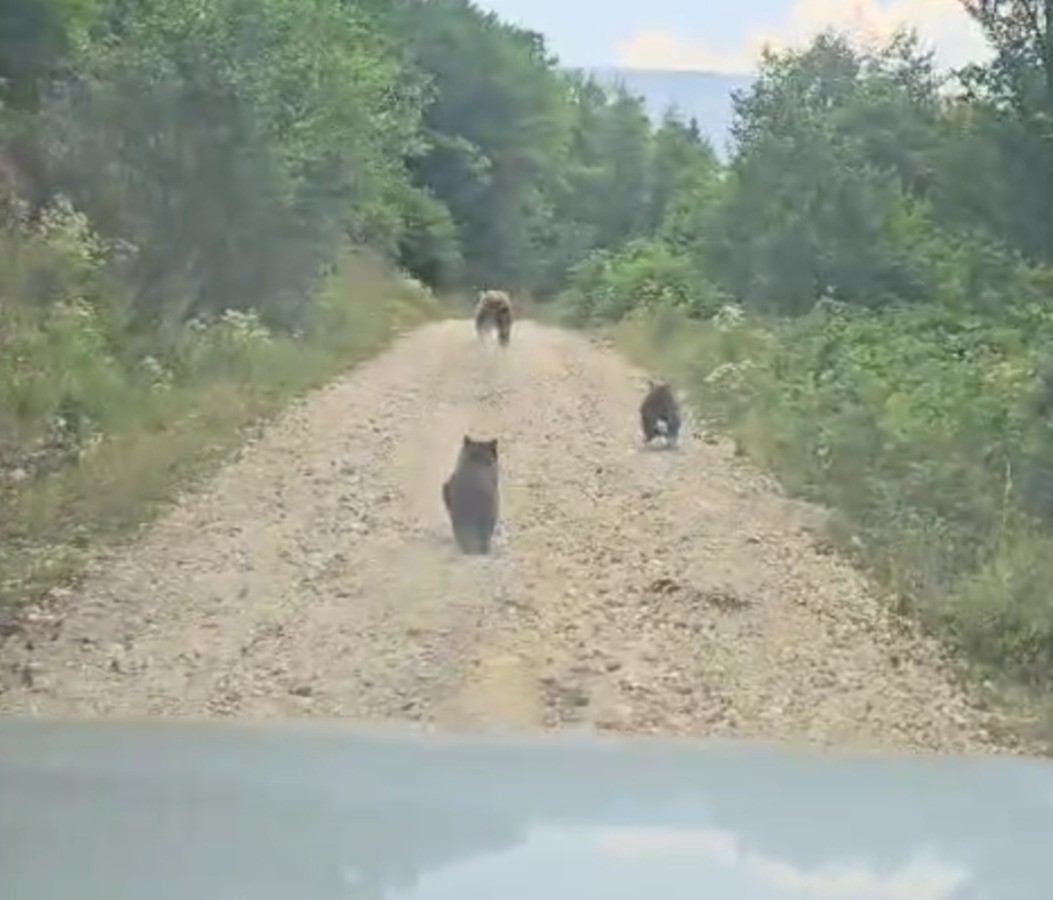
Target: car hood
{"type": "Point", "coordinates": [171, 809]}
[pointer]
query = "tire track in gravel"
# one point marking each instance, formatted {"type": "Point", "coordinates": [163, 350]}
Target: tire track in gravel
{"type": "Point", "coordinates": [630, 590]}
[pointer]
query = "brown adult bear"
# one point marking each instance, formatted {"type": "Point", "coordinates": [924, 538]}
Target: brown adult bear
{"type": "Point", "coordinates": [494, 311]}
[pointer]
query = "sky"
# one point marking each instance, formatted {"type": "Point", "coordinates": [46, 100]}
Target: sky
{"type": "Point", "coordinates": [727, 35]}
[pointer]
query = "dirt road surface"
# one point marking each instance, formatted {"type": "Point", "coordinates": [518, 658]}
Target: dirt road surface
{"type": "Point", "coordinates": [630, 590]}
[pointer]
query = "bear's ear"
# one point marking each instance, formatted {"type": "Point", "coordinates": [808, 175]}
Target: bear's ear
{"type": "Point", "coordinates": [493, 448]}
{"type": "Point", "coordinates": [467, 441]}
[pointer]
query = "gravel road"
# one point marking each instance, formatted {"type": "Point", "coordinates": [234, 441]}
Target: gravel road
{"type": "Point", "coordinates": [630, 590]}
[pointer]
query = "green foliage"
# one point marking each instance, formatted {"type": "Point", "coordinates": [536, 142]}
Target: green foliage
{"type": "Point", "coordinates": [429, 244]}
{"type": "Point", "coordinates": [94, 437]}
{"type": "Point", "coordinates": [1012, 101]}
{"type": "Point", "coordinates": [58, 370]}
{"type": "Point", "coordinates": [36, 40]}
{"type": "Point", "coordinates": [681, 164]}
{"type": "Point", "coordinates": [886, 353]}
{"type": "Point", "coordinates": [603, 196]}
{"type": "Point", "coordinates": [918, 426]}
{"type": "Point", "coordinates": [234, 146]}
{"type": "Point", "coordinates": [644, 274]}
{"type": "Point", "coordinates": [496, 128]}
{"type": "Point", "coordinates": [822, 202]}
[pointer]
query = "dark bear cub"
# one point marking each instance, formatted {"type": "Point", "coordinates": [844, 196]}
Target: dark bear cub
{"type": "Point", "coordinates": [471, 496]}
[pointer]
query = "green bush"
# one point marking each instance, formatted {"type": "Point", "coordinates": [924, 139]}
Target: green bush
{"type": "Point", "coordinates": [235, 147]}
{"type": "Point", "coordinates": [97, 430]}
{"type": "Point", "coordinates": [645, 274]}
{"type": "Point", "coordinates": [916, 426]}
{"type": "Point", "coordinates": [60, 375]}
{"type": "Point", "coordinates": [886, 352]}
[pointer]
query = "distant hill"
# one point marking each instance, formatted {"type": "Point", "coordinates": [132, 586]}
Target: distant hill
{"type": "Point", "coordinates": [704, 95]}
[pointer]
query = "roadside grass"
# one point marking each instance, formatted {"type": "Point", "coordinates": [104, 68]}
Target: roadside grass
{"type": "Point", "coordinates": [922, 437]}
{"type": "Point", "coordinates": [95, 445]}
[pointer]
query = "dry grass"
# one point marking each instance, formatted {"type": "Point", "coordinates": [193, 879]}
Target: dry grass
{"type": "Point", "coordinates": [172, 434]}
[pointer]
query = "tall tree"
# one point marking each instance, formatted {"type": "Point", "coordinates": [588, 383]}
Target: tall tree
{"type": "Point", "coordinates": [235, 146]}
{"type": "Point", "coordinates": [1018, 87]}
{"type": "Point", "coordinates": [821, 199]}
{"type": "Point", "coordinates": [496, 126]}
{"type": "Point", "coordinates": [680, 155]}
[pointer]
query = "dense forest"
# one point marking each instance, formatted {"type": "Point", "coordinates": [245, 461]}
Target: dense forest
{"type": "Point", "coordinates": [196, 194]}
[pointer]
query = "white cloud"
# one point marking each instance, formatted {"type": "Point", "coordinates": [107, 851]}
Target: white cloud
{"type": "Point", "coordinates": [622, 863]}
{"type": "Point", "coordinates": [940, 23]}
{"type": "Point", "coordinates": [921, 879]}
